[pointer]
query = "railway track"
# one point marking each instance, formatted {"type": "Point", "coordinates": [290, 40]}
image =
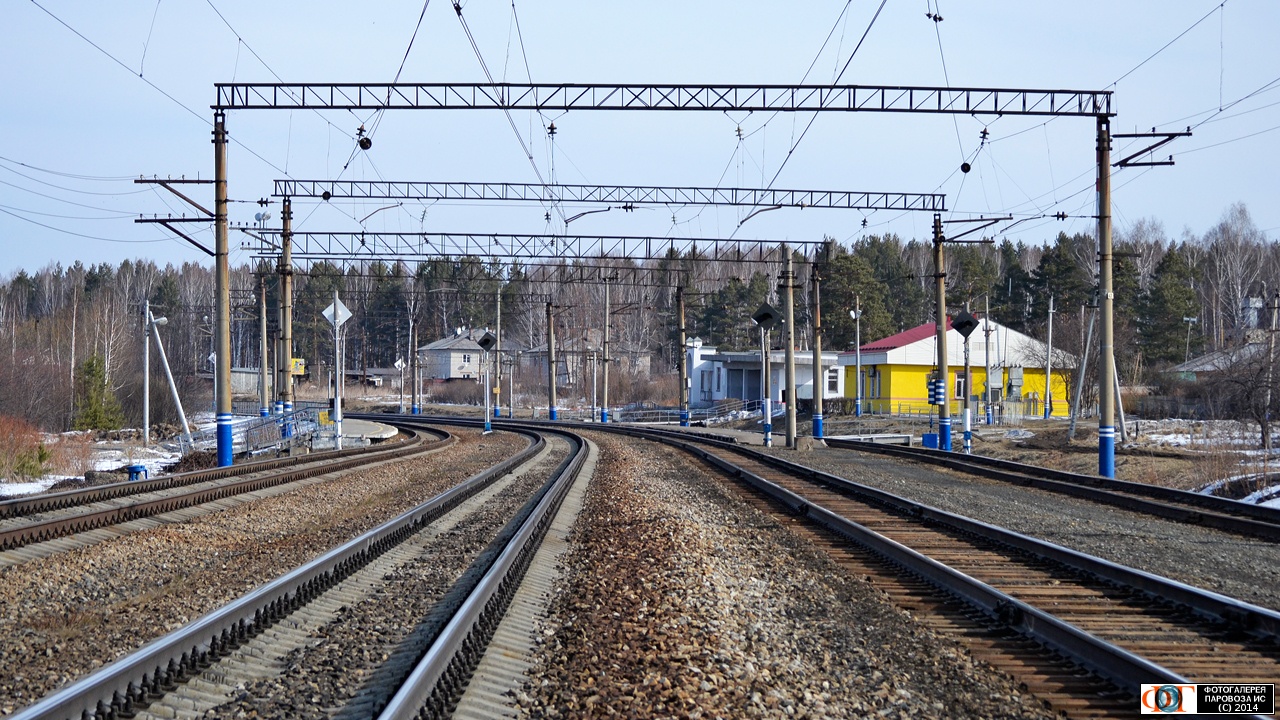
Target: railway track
{"type": "Point", "coordinates": [1080, 632]}
{"type": "Point", "coordinates": [26, 522]}
{"type": "Point", "coordinates": [211, 661]}
{"type": "Point", "coordinates": [1168, 503]}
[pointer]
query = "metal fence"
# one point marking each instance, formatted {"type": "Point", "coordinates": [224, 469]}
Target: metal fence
{"type": "Point", "coordinates": [259, 434]}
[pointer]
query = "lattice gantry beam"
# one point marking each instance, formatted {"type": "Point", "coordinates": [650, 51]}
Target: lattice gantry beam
{"type": "Point", "coordinates": [755, 98]}
{"type": "Point", "coordinates": [386, 245]}
{"type": "Point", "coordinates": [623, 196]}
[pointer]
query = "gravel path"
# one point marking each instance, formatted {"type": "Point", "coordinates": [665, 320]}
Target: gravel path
{"type": "Point", "coordinates": [681, 600]}
{"type": "Point", "coordinates": [1240, 567]}
{"type": "Point", "coordinates": [65, 615]}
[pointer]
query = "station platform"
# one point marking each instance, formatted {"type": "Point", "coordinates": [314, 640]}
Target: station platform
{"type": "Point", "coordinates": [372, 431]}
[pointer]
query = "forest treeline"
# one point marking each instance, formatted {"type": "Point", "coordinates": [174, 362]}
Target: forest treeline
{"type": "Point", "coordinates": [73, 333]}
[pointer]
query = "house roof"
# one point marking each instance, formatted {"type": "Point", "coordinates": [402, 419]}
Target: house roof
{"type": "Point", "coordinates": [1218, 360]}
{"type": "Point", "coordinates": [466, 340]}
{"type": "Point", "coordinates": [906, 337]}
{"type": "Point", "coordinates": [918, 346]}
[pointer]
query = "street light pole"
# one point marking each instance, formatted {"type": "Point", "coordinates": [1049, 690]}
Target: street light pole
{"type": "Point", "coordinates": [1186, 356]}
{"type": "Point", "coordinates": [857, 354]}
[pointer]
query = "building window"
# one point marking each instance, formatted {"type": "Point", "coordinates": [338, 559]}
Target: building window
{"type": "Point", "coordinates": [833, 380]}
{"type": "Point", "coordinates": [718, 371]}
{"type": "Point", "coordinates": [466, 358]}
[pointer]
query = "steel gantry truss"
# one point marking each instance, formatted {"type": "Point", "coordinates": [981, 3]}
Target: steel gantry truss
{"type": "Point", "coordinates": [619, 195]}
{"type": "Point", "coordinates": [410, 245]}
{"type": "Point", "coordinates": [703, 98]}
{"type": "Point", "coordinates": [607, 96]}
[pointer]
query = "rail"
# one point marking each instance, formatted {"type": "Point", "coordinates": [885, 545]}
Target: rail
{"type": "Point", "coordinates": [118, 690]}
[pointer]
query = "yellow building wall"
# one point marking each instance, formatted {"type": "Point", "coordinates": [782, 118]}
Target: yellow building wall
{"type": "Point", "coordinates": [903, 388]}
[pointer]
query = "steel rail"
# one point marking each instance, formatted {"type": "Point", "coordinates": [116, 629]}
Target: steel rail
{"type": "Point", "coordinates": [45, 502]}
{"type": "Point", "coordinates": [122, 688]}
{"type": "Point", "coordinates": [442, 674]}
{"type": "Point", "coordinates": [1107, 660]}
{"type": "Point", "coordinates": [1210, 511]}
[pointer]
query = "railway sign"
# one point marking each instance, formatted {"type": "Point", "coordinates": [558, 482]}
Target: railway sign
{"type": "Point", "coordinates": [964, 323]}
{"type": "Point", "coordinates": [337, 313]}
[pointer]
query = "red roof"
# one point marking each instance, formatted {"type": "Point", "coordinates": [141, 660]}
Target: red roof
{"type": "Point", "coordinates": [906, 337]}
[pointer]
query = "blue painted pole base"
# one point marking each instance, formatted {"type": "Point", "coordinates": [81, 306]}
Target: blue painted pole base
{"type": "Point", "coordinates": [817, 426]}
{"type": "Point", "coordinates": [279, 408]}
{"type": "Point", "coordinates": [488, 428]}
{"type": "Point", "coordinates": [768, 434]}
{"type": "Point", "coordinates": [990, 419]}
{"type": "Point", "coordinates": [944, 434]}
{"type": "Point", "coordinates": [1107, 451]}
{"type": "Point", "coordinates": [497, 412]}
{"type": "Point", "coordinates": [264, 411]}
{"type": "Point", "coordinates": [604, 415]}
{"type": "Point", "coordinates": [417, 409]}
{"type": "Point", "coordinates": [554, 414]}
{"type": "Point", "coordinates": [288, 408]}
{"type": "Point", "coordinates": [857, 407]}
{"type": "Point", "coordinates": [224, 440]}
{"type": "Point", "coordinates": [684, 418]}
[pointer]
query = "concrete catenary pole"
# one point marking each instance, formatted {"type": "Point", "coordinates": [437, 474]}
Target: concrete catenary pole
{"type": "Point", "coordinates": [551, 364]}
{"type": "Point", "coordinates": [222, 282]}
{"type": "Point", "coordinates": [146, 373]}
{"type": "Point", "coordinates": [789, 312]}
{"type": "Point", "coordinates": [604, 390]}
{"type": "Point", "coordinates": [819, 380]}
{"type": "Point", "coordinates": [497, 362]}
{"type": "Point", "coordinates": [684, 360]}
{"type": "Point", "coordinates": [284, 353]}
{"type": "Point", "coordinates": [339, 374]}
{"type": "Point", "coordinates": [1048, 366]}
{"type": "Point", "coordinates": [940, 290]}
{"type": "Point", "coordinates": [265, 398]}
{"type": "Point", "coordinates": [1106, 383]}
{"type": "Point", "coordinates": [766, 387]}
{"type": "Point", "coordinates": [857, 354]}
{"type": "Point", "coordinates": [986, 355]}
{"type": "Point", "coordinates": [966, 401]}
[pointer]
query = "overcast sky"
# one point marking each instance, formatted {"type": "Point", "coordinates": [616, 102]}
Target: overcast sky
{"type": "Point", "coordinates": [79, 122]}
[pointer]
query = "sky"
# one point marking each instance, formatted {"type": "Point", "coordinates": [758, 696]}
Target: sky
{"type": "Point", "coordinates": [98, 94]}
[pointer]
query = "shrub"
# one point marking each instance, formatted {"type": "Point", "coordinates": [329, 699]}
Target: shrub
{"type": "Point", "coordinates": [22, 454]}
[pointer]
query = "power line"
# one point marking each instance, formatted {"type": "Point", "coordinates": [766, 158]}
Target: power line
{"type": "Point", "coordinates": [82, 235]}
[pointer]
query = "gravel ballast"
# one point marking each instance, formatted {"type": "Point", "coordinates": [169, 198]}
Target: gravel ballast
{"type": "Point", "coordinates": [681, 600]}
{"type": "Point", "coordinates": [63, 616]}
{"type": "Point", "coordinates": [1241, 567]}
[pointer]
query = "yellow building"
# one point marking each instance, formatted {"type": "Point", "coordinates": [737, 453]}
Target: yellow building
{"type": "Point", "coordinates": [896, 371]}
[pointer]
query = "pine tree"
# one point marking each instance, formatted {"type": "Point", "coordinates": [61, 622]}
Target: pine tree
{"type": "Point", "coordinates": [97, 407]}
{"type": "Point", "coordinates": [1163, 332]}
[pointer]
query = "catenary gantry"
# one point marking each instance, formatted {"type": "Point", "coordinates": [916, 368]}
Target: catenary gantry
{"type": "Point", "coordinates": [607, 96]}
{"type": "Point", "coordinates": [612, 194]}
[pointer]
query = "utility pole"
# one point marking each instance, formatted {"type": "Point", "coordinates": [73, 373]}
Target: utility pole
{"type": "Point", "coordinates": [551, 364]}
{"type": "Point", "coordinates": [222, 279]}
{"type": "Point", "coordinates": [766, 382]}
{"type": "Point", "coordinates": [604, 407]}
{"type": "Point", "coordinates": [1048, 365]}
{"type": "Point", "coordinates": [265, 410]}
{"type": "Point", "coordinates": [789, 282]}
{"type": "Point", "coordinates": [684, 360]}
{"type": "Point", "coordinates": [940, 289]}
{"type": "Point", "coordinates": [1083, 371]}
{"type": "Point", "coordinates": [1106, 383]}
{"type": "Point", "coordinates": [819, 381]}
{"type": "Point", "coordinates": [414, 407]}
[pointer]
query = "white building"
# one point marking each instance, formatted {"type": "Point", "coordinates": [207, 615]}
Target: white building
{"type": "Point", "coordinates": [717, 376]}
{"type": "Point", "coordinates": [456, 357]}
